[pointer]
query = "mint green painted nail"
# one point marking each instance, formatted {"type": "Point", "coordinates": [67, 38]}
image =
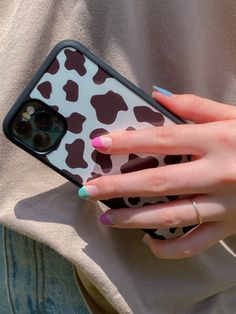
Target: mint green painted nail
{"type": "Point", "coordinates": [162, 91]}
{"type": "Point", "coordinates": [87, 192]}
{"type": "Point", "coordinates": [83, 193]}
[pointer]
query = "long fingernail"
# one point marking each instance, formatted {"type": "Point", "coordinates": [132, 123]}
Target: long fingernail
{"type": "Point", "coordinates": [162, 91]}
{"type": "Point", "coordinates": [107, 219]}
{"type": "Point", "coordinates": [87, 192]}
{"type": "Point", "coordinates": [102, 142]}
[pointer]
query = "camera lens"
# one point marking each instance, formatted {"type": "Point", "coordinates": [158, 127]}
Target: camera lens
{"type": "Point", "coordinates": [43, 120]}
{"type": "Point", "coordinates": [42, 141]}
{"type": "Point", "coordinates": [23, 128]}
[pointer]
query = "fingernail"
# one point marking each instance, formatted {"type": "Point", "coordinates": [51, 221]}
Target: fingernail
{"type": "Point", "coordinates": [102, 142]}
{"type": "Point", "coordinates": [107, 219]}
{"type": "Point", "coordinates": [145, 240]}
{"type": "Point", "coordinates": [162, 91]}
{"type": "Point", "coordinates": [87, 192]}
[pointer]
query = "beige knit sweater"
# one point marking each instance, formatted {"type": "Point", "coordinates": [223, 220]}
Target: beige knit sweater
{"type": "Point", "coordinates": [181, 45]}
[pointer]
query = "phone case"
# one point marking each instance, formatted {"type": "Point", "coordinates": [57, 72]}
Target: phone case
{"type": "Point", "coordinates": [95, 100]}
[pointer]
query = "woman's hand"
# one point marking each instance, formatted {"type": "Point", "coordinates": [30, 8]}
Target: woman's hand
{"type": "Point", "coordinates": [210, 177]}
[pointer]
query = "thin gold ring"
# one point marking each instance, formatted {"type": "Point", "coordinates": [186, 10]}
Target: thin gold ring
{"type": "Point", "coordinates": [200, 221]}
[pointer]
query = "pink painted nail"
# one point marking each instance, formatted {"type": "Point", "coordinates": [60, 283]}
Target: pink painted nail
{"type": "Point", "coordinates": [102, 142]}
{"type": "Point", "coordinates": [107, 219]}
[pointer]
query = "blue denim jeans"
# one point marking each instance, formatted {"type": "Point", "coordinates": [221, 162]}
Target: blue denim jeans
{"type": "Point", "coordinates": [35, 279]}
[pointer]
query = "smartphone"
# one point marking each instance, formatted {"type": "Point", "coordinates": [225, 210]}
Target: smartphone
{"type": "Point", "coordinates": [74, 97]}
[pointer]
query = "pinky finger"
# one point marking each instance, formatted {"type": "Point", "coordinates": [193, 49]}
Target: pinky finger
{"type": "Point", "coordinates": [194, 242]}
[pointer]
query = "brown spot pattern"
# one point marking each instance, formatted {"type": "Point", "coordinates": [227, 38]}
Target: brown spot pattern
{"type": "Point", "coordinates": [137, 163]}
{"type": "Point", "coordinates": [94, 175]}
{"type": "Point", "coordinates": [54, 67]}
{"type": "Point", "coordinates": [75, 151]}
{"type": "Point", "coordinates": [76, 177]}
{"type": "Point", "coordinates": [45, 89]}
{"type": "Point", "coordinates": [71, 89]}
{"type": "Point", "coordinates": [172, 159]}
{"type": "Point", "coordinates": [172, 197]}
{"type": "Point", "coordinates": [100, 77]}
{"type": "Point", "coordinates": [97, 132]}
{"type": "Point", "coordinates": [75, 122]}
{"type": "Point", "coordinates": [146, 114]}
{"type": "Point", "coordinates": [130, 128]}
{"type": "Point", "coordinates": [134, 200]}
{"type": "Point", "coordinates": [107, 106]}
{"type": "Point", "coordinates": [75, 61]}
{"type": "Point", "coordinates": [116, 203]}
{"type": "Point", "coordinates": [103, 160]}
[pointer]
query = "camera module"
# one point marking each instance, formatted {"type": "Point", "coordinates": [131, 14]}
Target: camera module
{"type": "Point", "coordinates": [41, 141]}
{"type": "Point", "coordinates": [23, 128]}
{"type": "Point", "coordinates": [43, 120]}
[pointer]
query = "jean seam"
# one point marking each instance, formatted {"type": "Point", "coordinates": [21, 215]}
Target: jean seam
{"type": "Point", "coordinates": [36, 278]}
{"type": "Point", "coordinates": [75, 274]}
{"type": "Point", "coordinates": [39, 277]}
{"type": "Point", "coordinates": [6, 258]}
{"type": "Point", "coordinates": [43, 276]}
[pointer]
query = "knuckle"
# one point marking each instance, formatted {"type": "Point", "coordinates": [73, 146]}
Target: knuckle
{"type": "Point", "coordinates": [168, 218]}
{"type": "Point", "coordinates": [159, 183]}
{"type": "Point", "coordinates": [163, 136]}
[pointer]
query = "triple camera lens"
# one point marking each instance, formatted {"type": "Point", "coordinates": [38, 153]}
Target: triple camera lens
{"type": "Point", "coordinates": [39, 127]}
{"type": "Point", "coordinates": [42, 141]}
{"type": "Point", "coordinates": [23, 128]}
{"type": "Point", "coordinates": [43, 120]}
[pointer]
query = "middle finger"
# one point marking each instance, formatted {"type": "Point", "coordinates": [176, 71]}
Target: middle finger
{"type": "Point", "coordinates": [180, 179]}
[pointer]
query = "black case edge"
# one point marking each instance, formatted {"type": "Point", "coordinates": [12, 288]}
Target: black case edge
{"type": "Point", "coordinates": [54, 52]}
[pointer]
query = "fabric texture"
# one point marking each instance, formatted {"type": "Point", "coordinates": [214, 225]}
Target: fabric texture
{"type": "Point", "coordinates": [183, 46]}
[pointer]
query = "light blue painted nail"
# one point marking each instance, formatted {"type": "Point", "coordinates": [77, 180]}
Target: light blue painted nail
{"type": "Point", "coordinates": [83, 193]}
{"type": "Point", "coordinates": [162, 91]}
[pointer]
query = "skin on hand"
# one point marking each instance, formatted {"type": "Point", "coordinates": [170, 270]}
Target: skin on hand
{"type": "Point", "coordinates": [210, 177]}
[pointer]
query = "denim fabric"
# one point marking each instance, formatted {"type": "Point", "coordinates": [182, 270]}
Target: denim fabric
{"type": "Point", "coordinates": [35, 279]}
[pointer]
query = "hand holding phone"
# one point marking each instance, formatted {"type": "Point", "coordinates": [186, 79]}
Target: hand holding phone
{"type": "Point", "coordinates": [74, 98]}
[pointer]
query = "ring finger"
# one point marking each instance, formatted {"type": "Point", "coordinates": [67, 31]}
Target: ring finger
{"type": "Point", "coordinates": [177, 213]}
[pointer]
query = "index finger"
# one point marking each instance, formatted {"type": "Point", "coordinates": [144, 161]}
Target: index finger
{"type": "Point", "coordinates": [173, 140]}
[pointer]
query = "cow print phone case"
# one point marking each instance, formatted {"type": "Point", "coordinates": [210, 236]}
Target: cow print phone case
{"type": "Point", "coordinates": [73, 98]}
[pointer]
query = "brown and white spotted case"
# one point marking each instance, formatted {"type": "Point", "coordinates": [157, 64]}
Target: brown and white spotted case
{"type": "Point", "coordinates": [96, 102]}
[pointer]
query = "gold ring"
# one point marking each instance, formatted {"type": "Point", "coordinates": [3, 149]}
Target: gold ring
{"type": "Point", "coordinates": [200, 221]}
